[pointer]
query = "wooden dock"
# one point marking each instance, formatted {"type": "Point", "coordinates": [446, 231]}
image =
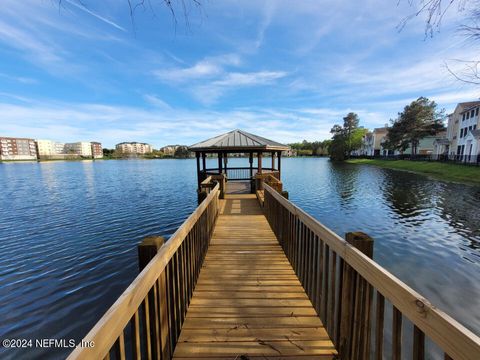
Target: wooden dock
{"type": "Point", "coordinates": [248, 300]}
{"type": "Point", "coordinates": [244, 278]}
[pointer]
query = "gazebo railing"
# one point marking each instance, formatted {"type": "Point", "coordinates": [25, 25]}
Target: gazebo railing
{"type": "Point", "coordinates": [237, 173]}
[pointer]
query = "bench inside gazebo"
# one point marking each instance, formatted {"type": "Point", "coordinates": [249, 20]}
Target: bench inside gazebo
{"type": "Point", "coordinates": [239, 142]}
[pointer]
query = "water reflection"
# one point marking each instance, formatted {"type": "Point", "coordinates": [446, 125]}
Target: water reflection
{"type": "Point", "coordinates": [69, 230]}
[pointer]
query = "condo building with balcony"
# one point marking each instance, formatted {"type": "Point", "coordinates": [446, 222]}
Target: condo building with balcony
{"type": "Point", "coordinates": [97, 150]}
{"type": "Point", "coordinates": [81, 148]}
{"type": "Point", "coordinates": [462, 140]}
{"type": "Point", "coordinates": [50, 149]}
{"type": "Point", "coordinates": [133, 148]}
{"type": "Point", "coordinates": [17, 149]}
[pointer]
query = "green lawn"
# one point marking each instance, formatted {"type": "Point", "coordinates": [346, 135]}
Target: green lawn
{"type": "Point", "coordinates": [438, 170]}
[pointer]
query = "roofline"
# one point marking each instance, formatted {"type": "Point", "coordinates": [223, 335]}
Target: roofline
{"type": "Point", "coordinates": [239, 149]}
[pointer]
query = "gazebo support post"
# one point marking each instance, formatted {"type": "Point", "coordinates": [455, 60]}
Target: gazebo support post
{"type": "Point", "coordinates": [273, 161]}
{"type": "Point", "coordinates": [250, 160]}
{"type": "Point", "coordinates": [219, 162]}
{"type": "Point", "coordinates": [225, 163]}
{"type": "Point", "coordinates": [252, 180]}
{"type": "Point", "coordinates": [279, 165]}
{"type": "Point", "coordinates": [204, 164]}
{"type": "Point", "coordinates": [199, 180]}
{"type": "Point", "coordinates": [259, 162]}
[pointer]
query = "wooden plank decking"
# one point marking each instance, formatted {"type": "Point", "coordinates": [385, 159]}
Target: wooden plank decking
{"type": "Point", "coordinates": [248, 300]}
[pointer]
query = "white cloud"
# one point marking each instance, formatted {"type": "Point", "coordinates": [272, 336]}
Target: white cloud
{"type": "Point", "coordinates": [249, 79]}
{"type": "Point", "coordinates": [206, 68]}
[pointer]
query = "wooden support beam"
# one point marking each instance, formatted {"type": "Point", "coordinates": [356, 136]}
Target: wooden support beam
{"type": "Point", "coordinates": [204, 162]}
{"type": "Point", "coordinates": [219, 162]}
{"type": "Point", "coordinates": [273, 161]}
{"type": "Point", "coordinates": [279, 165]}
{"type": "Point", "coordinates": [199, 180]}
{"type": "Point", "coordinates": [259, 162]}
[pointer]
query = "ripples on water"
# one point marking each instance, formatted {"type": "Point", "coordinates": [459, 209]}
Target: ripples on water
{"type": "Point", "coordinates": [69, 231]}
{"type": "Point", "coordinates": [426, 232]}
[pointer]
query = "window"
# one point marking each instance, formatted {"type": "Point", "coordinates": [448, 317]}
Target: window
{"type": "Point", "coordinates": [475, 127]}
{"type": "Point", "coordinates": [472, 113]}
{"type": "Point", "coordinates": [461, 133]}
{"type": "Point", "coordinates": [468, 115]}
{"type": "Point", "coordinates": [463, 118]}
{"type": "Point", "coordinates": [476, 112]}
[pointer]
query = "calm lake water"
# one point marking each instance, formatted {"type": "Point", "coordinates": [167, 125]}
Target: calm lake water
{"type": "Point", "coordinates": [69, 232]}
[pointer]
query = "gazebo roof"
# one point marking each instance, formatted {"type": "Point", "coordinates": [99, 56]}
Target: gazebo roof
{"type": "Point", "coordinates": [238, 140]}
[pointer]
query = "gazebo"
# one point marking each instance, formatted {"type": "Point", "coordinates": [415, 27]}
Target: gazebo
{"type": "Point", "coordinates": [238, 142]}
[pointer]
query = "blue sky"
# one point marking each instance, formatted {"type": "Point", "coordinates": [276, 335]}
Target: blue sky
{"type": "Point", "coordinates": [286, 70]}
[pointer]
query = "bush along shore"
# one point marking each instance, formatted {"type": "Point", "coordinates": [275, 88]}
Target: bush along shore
{"type": "Point", "coordinates": [437, 170]}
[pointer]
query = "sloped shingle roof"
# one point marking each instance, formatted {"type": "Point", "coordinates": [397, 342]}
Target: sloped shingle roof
{"type": "Point", "coordinates": [237, 140]}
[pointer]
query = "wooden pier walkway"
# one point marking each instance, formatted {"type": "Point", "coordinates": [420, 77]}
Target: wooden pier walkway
{"type": "Point", "coordinates": [248, 300]}
{"type": "Point", "coordinates": [244, 278]}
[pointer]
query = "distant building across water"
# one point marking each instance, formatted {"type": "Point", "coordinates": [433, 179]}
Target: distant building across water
{"type": "Point", "coordinates": [41, 149]}
{"type": "Point", "coordinates": [17, 149]}
{"type": "Point", "coordinates": [133, 148]}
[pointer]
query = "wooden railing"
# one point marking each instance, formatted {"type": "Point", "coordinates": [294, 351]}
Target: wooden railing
{"type": "Point", "coordinates": [146, 320]}
{"type": "Point", "coordinates": [351, 293]}
{"type": "Point", "coordinates": [238, 173]}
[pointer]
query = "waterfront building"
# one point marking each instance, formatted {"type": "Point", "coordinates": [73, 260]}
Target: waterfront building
{"type": "Point", "coordinates": [367, 145]}
{"type": "Point", "coordinates": [169, 150]}
{"type": "Point", "coordinates": [379, 136]}
{"type": "Point", "coordinates": [81, 148]}
{"type": "Point", "coordinates": [133, 148]}
{"type": "Point", "coordinates": [17, 149]}
{"type": "Point", "coordinates": [49, 148]}
{"type": "Point", "coordinates": [462, 134]}
{"type": "Point", "coordinates": [97, 150]}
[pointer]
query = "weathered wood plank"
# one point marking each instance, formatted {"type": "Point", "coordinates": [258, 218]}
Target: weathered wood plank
{"type": "Point", "coordinates": [248, 299]}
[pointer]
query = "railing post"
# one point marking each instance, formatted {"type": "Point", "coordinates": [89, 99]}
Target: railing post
{"type": "Point", "coordinates": [356, 300]}
{"type": "Point", "coordinates": [201, 195]}
{"type": "Point", "coordinates": [157, 300]}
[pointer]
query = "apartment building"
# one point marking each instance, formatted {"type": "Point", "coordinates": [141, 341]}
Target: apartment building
{"type": "Point", "coordinates": [17, 149]}
{"type": "Point", "coordinates": [97, 150]}
{"type": "Point", "coordinates": [133, 148]}
{"type": "Point", "coordinates": [49, 148]}
{"type": "Point", "coordinates": [462, 138]}
{"type": "Point", "coordinates": [81, 148]}
{"type": "Point", "coordinates": [169, 150]}
{"type": "Point", "coordinates": [467, 139]}
{"type": "Point", "coordinates": [372, 142]}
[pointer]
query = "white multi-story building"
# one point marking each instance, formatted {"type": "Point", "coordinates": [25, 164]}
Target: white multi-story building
{"type": "Point", "coordinates": [133, 148]}
{"type": "Point", "coordinates": [463, 136]}
{"type": "Point", "coordinates": [372, 143]}
{"type": "Point", "coordinates": [50, 148]}
{"type": "Point", "coordinates": [82, 148]}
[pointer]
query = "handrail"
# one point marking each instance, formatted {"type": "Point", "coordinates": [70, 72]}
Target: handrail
{"type": "Point", "coordinates": [109, 329]}
{"type": "Point", "coordinates": [207, 181]}
{"type": "Point", "coordinates": [310, 241]}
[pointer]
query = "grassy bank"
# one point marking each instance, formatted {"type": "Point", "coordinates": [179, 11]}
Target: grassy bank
{"type": "Point", "coordinates": [437, 170]}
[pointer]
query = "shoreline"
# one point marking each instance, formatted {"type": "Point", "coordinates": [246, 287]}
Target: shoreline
{"type": "Point", "coordinates": [440, 171]}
